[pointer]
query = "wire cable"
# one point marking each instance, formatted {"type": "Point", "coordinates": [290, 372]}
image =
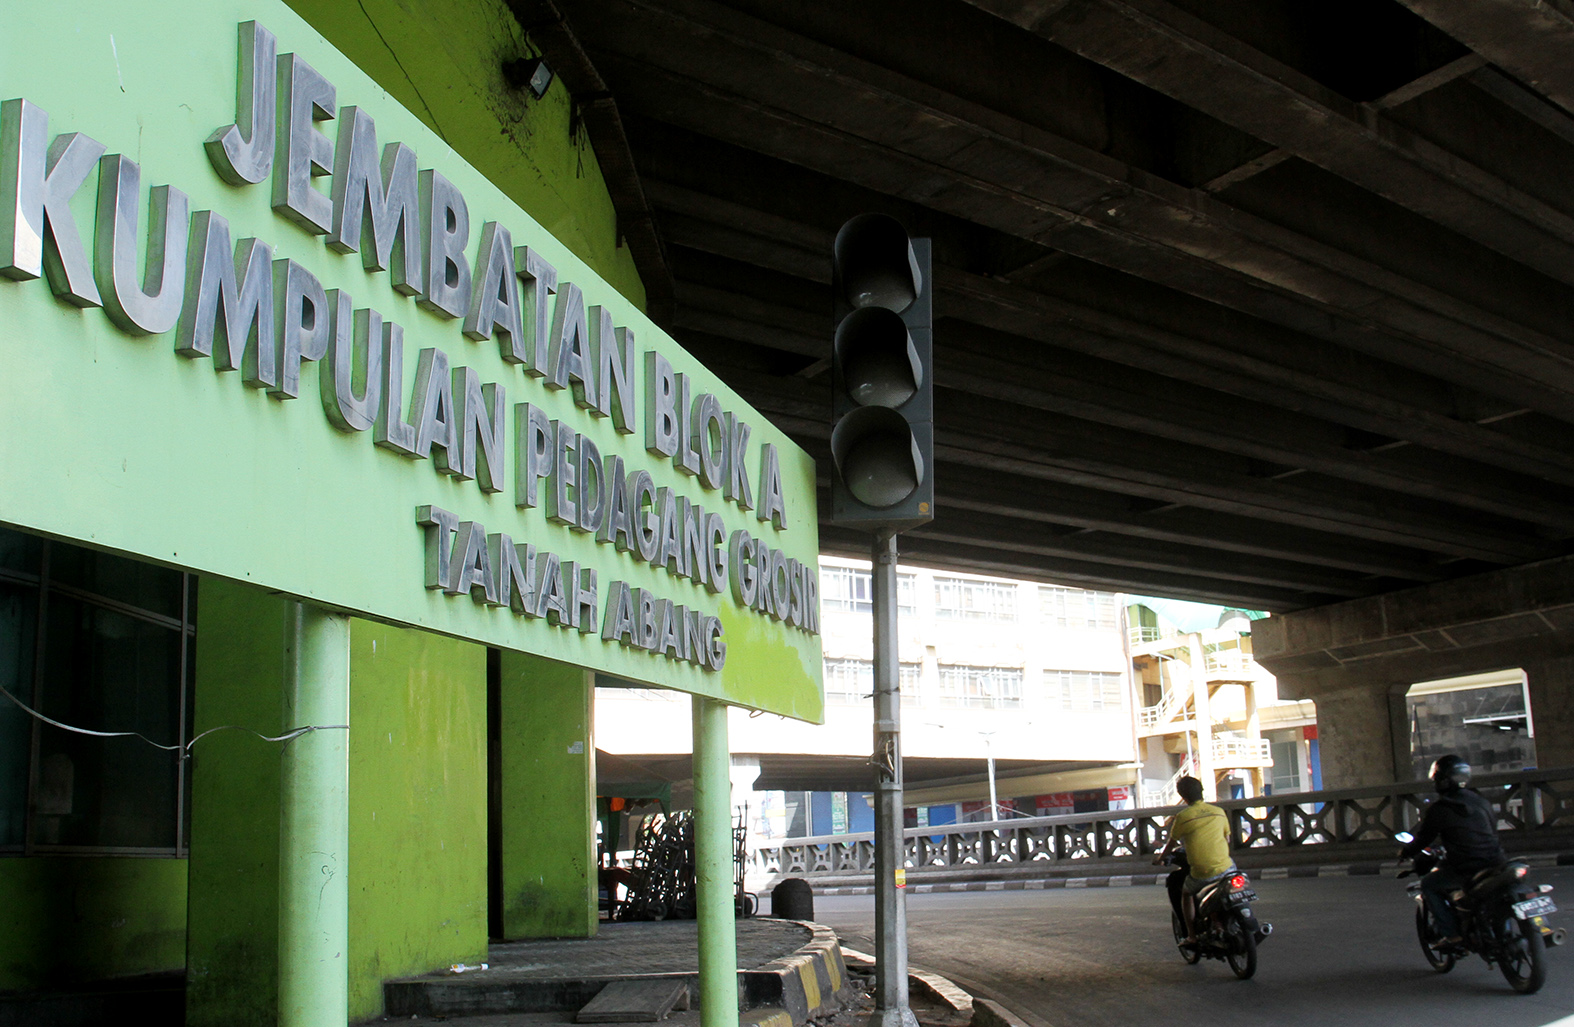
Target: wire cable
{"type": "Point", "coordinates": [184, 750]}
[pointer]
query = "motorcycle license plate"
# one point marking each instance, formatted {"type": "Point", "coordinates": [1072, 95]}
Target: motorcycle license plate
{"type": "Point", "coordinates": [1538, 906]}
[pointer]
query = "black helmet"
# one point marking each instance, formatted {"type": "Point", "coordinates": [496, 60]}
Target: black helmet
{"type": "Point", "coordinates": [1450, 773]}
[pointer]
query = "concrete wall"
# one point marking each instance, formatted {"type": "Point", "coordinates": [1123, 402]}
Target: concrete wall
{"type": "Point", "coordinates": [66, 919]}
{"type": "Point", "coordinates": [1356, 659]}
{"type": "Point", "coordinates": [443, 59]}
{"type": "Point", "coordinates": [417, 808]}
{"type": "Point", "coordinates": [548, 802]}
{"type": "Point", "coordinates": [418, 853]}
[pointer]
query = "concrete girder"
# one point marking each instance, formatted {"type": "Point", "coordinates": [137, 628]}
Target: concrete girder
{"type": "Point", "coordinates": [1112, 338]}
{"type": "Point", "coordinates": [1053, 380]}
{"type": "Point", "coordinates": [779, 93]}
{"type": "Point", "coordinates": [1533, 40]}
{"type": "Point", "coordinates": [1181, 56]}
{"type": "Point", "coordinates": [1445, 629]}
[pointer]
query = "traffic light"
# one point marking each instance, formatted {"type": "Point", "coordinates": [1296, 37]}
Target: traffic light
{"type": "Point", "coordinates": [882, 407]}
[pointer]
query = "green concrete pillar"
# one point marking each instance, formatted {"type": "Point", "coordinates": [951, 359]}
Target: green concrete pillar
{"type": "Point", "coordinates": [547, 807]}
{"type": "Point", "coordinates": [314, 822]}
{"type": "Point", "coordinates": [232, 945]}
{"type": "Point", "coordinates": [713, 865]}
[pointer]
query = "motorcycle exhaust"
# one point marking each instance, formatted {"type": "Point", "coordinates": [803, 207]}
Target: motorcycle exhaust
{"type": "Point", "coordinates": [1557, 937]}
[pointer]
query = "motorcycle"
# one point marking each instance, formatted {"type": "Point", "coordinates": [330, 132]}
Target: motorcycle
{"type": "Point", "coordinates": [1502, 919]}
{"type": "Point", "coordinates": [1227, 928]}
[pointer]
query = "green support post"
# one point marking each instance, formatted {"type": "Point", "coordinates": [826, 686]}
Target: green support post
{"type": "Point", "coordinates": [713, 865]}
{"type": "Point", "coordinates": [314, 822]}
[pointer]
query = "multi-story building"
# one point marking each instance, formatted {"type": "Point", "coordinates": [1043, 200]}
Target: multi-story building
{"type": "Point", "coordinates": [1016, 683]}
{"type": "Point", "coordinates": [1207, 709]}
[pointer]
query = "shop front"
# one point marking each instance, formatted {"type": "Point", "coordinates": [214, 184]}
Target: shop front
{"type": "Point", "coordinates": [329, 479]}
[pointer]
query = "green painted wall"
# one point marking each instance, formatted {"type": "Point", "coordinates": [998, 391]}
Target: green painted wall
{"type": "Point", "coordinates": [68, 919]}
{"type": "Point", "coordinates": [232, 970]}
{"type": "Point", "coordinates": [443, 59]}
{"type": "Point", "coordinates": [548, 801]}
{"type": "Point", "coordinates": [417, 807]}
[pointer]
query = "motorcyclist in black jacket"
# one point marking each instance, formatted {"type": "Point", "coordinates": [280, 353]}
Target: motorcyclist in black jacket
{"type": "Point", "coordinates": [1466, 824]}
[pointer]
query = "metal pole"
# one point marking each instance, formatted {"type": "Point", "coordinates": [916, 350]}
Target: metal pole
{"type": "Point", "coordinates": [314, 822]}
{"type": "Point", "coordinates": [890, 898]}
{"type": "Point", "coordinates": [994, 804]}
{"type": "Point", "coordinates": [718, 937]}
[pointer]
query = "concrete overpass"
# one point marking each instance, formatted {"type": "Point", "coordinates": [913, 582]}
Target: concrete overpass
{"type": "Point", "coordinates": [1256, 302]}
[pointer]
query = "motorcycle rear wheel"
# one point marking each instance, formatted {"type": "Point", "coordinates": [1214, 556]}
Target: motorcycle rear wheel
{"type": "Point", "coordinates": [1521, 958]}
{"type": "Point", "coordinates": [1427, 931]}
{"type": "Point", "coordinates": [1242, 942]}
{"type": "Point", "coordinates": [1190, 953]}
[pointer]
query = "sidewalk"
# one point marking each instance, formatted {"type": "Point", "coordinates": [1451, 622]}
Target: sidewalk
{"type": "Point", "coordinates": [785, 965]}
{"type": "Point", "coordinates": [789, 972]}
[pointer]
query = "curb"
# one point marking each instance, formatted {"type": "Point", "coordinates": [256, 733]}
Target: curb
{"type": "Point", "coordinates": [1358, 869]}
{"type": "Point", "coordinates": [932, 985]}
{"type": "Point", "coordinates": [810, 982]}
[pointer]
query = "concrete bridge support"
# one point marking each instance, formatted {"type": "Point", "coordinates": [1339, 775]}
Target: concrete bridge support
{"type": "Point", "coordinates": [1356, 659]}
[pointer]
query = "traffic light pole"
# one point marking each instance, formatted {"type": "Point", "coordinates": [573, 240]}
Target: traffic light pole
{"type": "Point", "coordinates": [890, 895]}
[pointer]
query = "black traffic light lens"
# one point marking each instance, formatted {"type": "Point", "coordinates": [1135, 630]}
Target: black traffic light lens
{"type": "Point", "coordinates": [876, 456]}
{"type": "Point", "coordinates": [876, 264]}
{"type": "Point", "coordinates": [877, 360]}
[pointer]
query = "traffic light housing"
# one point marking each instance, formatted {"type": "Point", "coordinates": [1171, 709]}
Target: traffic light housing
{"type": "Point", "coordinates": [882, 405]}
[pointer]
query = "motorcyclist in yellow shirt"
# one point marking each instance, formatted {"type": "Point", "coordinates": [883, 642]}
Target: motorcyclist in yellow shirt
{"type": "Point", "coordinates": [1204, 830]}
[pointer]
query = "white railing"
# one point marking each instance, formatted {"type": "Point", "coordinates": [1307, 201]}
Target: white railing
{"type": "Point", "coordinates": [1165, 794]}
{"type": "Point", "coordinates": [1235, 752]}
{"type": "Point", "coordinates": [1225, 661]}
{"type": "Point", "coordinates": [1141, 634]}
{"type": "Point", "coordinates": [1173, 701]}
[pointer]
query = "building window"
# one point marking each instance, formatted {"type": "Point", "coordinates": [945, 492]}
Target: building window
{"type": "Point", "coordinates": [1084, 691]}
{"type": "Point", "coordinates": [977, 600]}
{"type": "Point", "coordinates": [104, 643]}
{"type": "Point", "coordinates": [846, 589]}
{"type": "Point", "coordinates": [851, 682]}
{"type": "Point", "coordinates": [848, 682]}
{"type": "Point", "coordinates": [981, 687]}
{"type": "Point", "coordinates": [852, 591]}
{"type": "Point", "coordinates": [1075, 607]}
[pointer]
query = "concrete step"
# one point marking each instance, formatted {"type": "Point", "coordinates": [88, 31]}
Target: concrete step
{"type": "Point", "coordinates": [644, 1001]}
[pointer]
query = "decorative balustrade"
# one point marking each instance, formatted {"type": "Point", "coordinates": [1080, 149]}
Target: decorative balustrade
{"type": "Point", "coordinates": [1528, 803]}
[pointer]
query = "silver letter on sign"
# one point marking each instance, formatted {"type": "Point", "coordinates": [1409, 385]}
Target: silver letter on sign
{"type": "Point", "coordinates": [242, 153]}
{"type": "Point", "coordinates": [445, 220]}
{"type": "Point", "coordinates": [538, 280]}
{"type": "Point", "coordinates": [494, 297]}
{"type": "Point", "coordinates": [239, 291]}
{"type": "Point", "coordinates": [773, 505]}
{"type": "Point", "coordinates": [153, 307]}
{"type": "Point", "coordinates": [304, 323]}
{"type": "Point", "coordinates": [349, 409]}
{"type": "Point", "coordinates": [391, 430]}
{"type": "Point", "coordinates": [378, 214]}
{"type": "Point", "coordinates": [480, 416]}
{"type": "Point", "coordinates": [305, 97]}
{"type": "Point", "coordinates": [661, 405]}
{"type": "Point", "coordinates": [435, 426]}
{"type": "Point", "coordinates": [572, 363]}
{"type": "Point", "coordinates": [38, 233]}
{"type": "Point", "coordinates": [615, 353]}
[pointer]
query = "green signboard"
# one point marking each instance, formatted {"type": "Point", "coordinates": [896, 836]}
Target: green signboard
{"type": "Point", "coordinates": [258, 321]}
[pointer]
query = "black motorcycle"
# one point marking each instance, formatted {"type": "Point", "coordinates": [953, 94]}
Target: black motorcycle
{"type": "Point", "coordinates": [1227, 928]}
{"type": "Point", "coordinates": [1502, 918]}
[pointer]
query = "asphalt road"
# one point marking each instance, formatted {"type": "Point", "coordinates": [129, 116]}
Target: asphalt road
{"type": "Point", "coordinates": [1344, 951]}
